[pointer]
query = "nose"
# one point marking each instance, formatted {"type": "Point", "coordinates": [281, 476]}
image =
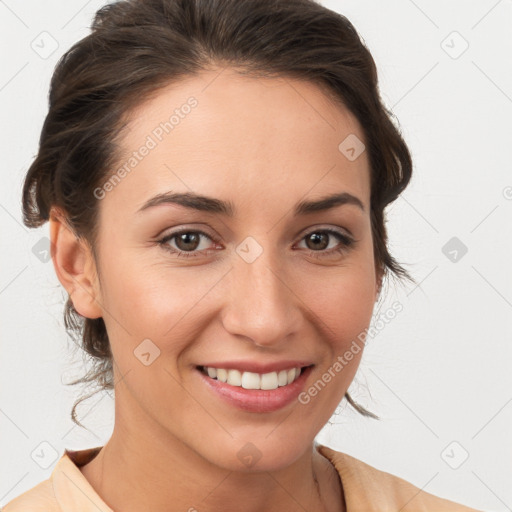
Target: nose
{"type": "Point", "coordinates": [262, 305]}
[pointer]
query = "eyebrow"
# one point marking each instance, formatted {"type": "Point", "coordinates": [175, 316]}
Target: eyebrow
{"type": "Point", "coordinates": [217, 206]}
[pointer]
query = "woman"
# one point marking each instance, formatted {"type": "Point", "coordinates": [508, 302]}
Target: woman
{"type": "Point", "coordinates": [215, 174]}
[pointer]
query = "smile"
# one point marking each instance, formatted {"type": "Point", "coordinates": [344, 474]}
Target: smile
{"type": "Point", "coordinates": [251, 380]}
{"type": "Point", "coordinates": [255, 392]}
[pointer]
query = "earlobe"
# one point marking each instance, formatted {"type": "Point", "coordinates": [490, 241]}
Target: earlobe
{"type": "Point", "coordinates": [74, 265]}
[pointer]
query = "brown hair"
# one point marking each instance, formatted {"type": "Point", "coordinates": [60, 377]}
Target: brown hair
{"type": "Point", "coordinates": [135, 48]}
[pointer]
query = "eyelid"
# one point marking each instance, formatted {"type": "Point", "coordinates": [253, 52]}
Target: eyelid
{"type": "Point", "coordinates": [327, 227]}
{"type": "Point", "coordinates": [181, 228]}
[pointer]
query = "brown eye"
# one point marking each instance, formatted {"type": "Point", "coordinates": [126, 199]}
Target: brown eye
{"type": "Point", "coordinates": [188, 243]}
{"type": "Point", "coordinates": [317, 241]}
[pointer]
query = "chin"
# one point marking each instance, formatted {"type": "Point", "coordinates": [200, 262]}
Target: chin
{"type": "Point", "coordinates": [250, 454]}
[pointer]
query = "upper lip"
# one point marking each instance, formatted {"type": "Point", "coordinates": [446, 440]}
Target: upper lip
{"type": "Point", "coordinates": [258, 367]}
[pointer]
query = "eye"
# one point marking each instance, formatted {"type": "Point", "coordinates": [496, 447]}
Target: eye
{"type": "Point", "coordinates": [317, 241]}
{"type": "Point", "coordinates": [188, 243]}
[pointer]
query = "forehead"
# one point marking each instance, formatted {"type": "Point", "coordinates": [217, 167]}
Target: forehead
{"type": "Point", "coordinates": [220, 133]}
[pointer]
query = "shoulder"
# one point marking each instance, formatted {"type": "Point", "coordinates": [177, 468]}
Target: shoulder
{"type": "Point", "coordinates": [40, 498]}
{"type": "Point", "coordinates": [66, 490]}
{"type": "Point", "coordinates": [368, 488]}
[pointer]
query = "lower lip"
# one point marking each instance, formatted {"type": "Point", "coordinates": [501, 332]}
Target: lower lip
{"type": "Point", "coordinates": [258, 400]}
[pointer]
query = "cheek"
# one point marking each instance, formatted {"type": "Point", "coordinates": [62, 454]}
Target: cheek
{"type": "Point", "coordinates": [343, 300]}
{"type": "Point", "coordinates": [343, 313]}
{"type": "Point", "coordinates": [150, 321]}
{"type": "Point", "coordinates": [153, 301]}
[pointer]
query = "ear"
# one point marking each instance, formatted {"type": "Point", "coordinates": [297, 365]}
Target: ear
{"type": "Point", "coordinates": [74, 265]}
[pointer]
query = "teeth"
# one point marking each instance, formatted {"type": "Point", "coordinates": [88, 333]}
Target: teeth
{"type": "Point", "coordinates": [250, 380]}
{"type": "Point", "coordinates": [234, 378]}
{"type": "Point", "coordinates": [269, 380]}
{"type": "Point", "coordinates": [282, 378]}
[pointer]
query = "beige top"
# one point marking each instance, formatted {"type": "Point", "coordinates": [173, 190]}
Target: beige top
{"type": "Point", "coordinates": [366, 489]}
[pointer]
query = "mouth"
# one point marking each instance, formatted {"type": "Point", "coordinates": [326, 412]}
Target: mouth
{"type": "Point", "coordinates": [253, 380]}
{"type": "Point", "coordinates": [254, 392]}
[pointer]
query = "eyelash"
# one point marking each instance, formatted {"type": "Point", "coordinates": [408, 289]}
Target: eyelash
{"type": "Point", "coordinates": [345, 243]}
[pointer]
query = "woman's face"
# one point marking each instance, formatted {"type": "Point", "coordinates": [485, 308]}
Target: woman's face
{"type": "Point", "coordinates": [259, 281]}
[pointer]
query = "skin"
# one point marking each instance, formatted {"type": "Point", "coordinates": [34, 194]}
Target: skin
{"type": "Point", "coordinates": [264, 145]}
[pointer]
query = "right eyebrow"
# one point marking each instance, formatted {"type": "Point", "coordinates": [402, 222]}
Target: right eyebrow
{"type": "Point", "coordinates": [190, 200]}
{"type": "Point", "coordinates": [218, 206]}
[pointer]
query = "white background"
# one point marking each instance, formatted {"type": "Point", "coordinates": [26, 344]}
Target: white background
{"type": "Point", "coordinates": [438, 373]}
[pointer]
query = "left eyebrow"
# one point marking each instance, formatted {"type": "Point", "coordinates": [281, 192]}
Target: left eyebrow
{"type": "Point", "coordinates": [218, 206]}
{"type": "Point", "coordinates": [326, 203]}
